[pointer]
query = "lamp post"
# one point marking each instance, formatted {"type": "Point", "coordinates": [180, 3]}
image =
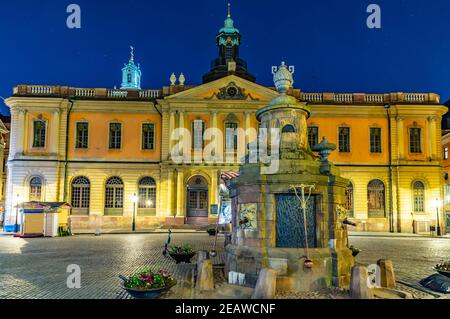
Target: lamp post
{"type": "Point", "coordinates": [16, 226]}
{"type": "Point", "coordinates": [135, 199]}
{"type": "Point", "coordinates": [437, 204]}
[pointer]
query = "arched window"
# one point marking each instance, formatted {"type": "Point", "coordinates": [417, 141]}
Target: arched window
{"type": "Point", "coordinates": [419, 197]}
{"type": "Point", "coordinates": [349, 199]}
{"type": "Point", "coordinates": [114, 196]}
{"type": "Point", "coordinates": [36, 189]}
{"type": "Point", "coordinates": [289, 129]}
{"type": "Point", "coordinates": [376, 199]}
{"type": "Point", "coordinates": [81, 195]}
{"type": "Point", "coordinates": [147, 195]}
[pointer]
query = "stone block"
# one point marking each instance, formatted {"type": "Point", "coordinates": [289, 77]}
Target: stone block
{"type": "Point", "coordinates": [387, 274]}
{"type": "Point", "coordinates": [201, 257]}
{"type": "Point", "coordinates": [359, 285]}
{"type": "Point", "coordinates": [266, 285]}
{"type": "Point", "coordinates": [205, 278]}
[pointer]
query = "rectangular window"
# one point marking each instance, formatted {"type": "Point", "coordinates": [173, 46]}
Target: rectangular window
{"type": "Point", "coordinates": [198, 131]}
{"type": "Point", "coordinates": [415, 139]}
{"type": "Point", "coordinates": [313, 136]}
{"type": "Point", "coordinates": [231, 140]}
{"type": "Point", "coordinates": [446, 153]}
{"type": "Point", "coordinates": [39, 132]}
{"type": "Point", "coordinates": [115, 136]}
{"type": "Point", "coordinates": [82, 135]}
{"type": "Point", "coordinates": [148, 136]}
{"type": "Point", "coordinates": [344, 139]}
{"type": "Point", "coordinates": [375, 140]}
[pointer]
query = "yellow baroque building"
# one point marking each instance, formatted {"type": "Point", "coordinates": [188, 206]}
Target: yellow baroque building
{"type": "Point", "coordinates": [107, 152]}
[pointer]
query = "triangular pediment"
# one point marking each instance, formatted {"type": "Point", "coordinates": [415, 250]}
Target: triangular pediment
{"type": "Point", "coordinates": [228, 88]}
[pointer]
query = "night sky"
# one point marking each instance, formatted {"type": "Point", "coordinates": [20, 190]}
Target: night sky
{"type": "Point", "coordinates": [328, 41]}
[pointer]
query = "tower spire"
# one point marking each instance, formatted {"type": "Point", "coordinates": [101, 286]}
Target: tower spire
{"type": "Point", "coordinates": [228, 62]}
{"type": "Point", "coordinates": [131, 74]}
{"type": "Point", "coordinates": [132, 53]}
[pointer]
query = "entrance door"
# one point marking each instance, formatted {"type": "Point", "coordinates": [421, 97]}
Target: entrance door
{"type": "Point", "coordinates": [197, 201]}
{"type": "Point", "coordinates": [290, 222]}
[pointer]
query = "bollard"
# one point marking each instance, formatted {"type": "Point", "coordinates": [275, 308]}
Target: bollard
{"type": "Point", "coordinates": [205, 278]}
{"type": "Point", "coordinates": [266, 286]}
{"type": "Point", "coordinates": [387, 274]}
{"type": "Point", "coordinates": [359, 283]}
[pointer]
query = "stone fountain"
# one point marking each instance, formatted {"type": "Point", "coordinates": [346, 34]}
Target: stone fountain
{"type": "Point", "coordinates": [291, 220]}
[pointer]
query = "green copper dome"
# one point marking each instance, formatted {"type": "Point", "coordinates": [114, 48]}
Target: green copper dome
{"type": "Point", "coordinates": [229, 24]}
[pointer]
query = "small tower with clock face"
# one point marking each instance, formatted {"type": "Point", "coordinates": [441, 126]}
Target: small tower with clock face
{"type": "Point", "coordinates": [131, 74]}
{"type": "Point", "coordinates": [228, 40]}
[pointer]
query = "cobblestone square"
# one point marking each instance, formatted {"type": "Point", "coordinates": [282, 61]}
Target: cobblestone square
{"type": "Point", "coordinates": [36, 268]}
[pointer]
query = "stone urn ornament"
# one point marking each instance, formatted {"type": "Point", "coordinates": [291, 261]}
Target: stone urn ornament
{"type": "Point", "coordinates": [173, 79]}
{"type": "Point", "coordinates": [324, 148]}
{"type": "Point", "coordinates": [182, 79]}
{"type": "Point", "coordinates": [282, 77]}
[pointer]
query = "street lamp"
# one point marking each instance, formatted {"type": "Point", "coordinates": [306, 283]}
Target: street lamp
{"type": "Point", "coordinates": [437, 204]}
{"type": "Point", "coordinates": [135, 199]}
{"type": "Point", "coordinates": [16, 226]}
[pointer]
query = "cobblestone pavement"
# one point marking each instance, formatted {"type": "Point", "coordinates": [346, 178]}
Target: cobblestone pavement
{"type": "Point", "coordinates": [413, 258]}
{"type": "Point", "coordinates": [36, 268]}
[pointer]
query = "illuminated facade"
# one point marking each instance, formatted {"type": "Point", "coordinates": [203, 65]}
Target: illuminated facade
{"type": "Point", "coordinates": [99, 149]}
{"type": "Point", "coordinates": [446, 165]}
{"type": "Point", "coordinates": [4, 153]}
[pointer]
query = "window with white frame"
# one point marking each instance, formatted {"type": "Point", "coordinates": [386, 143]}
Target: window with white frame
{"type": "Point", "coordinates": [35, 189]}
{"type": "Point", "coordinates": [344, 139]}
{"type": "Point", "coordinates": [231, 138]}
{"type": "Point", "coordinates": [415, 140]}
{"type": "Point", "coordinates": [147, 193]}
{"type": "Point", "coordinates": [375, 140]}
{"type": "Point", "coordinates": [419, 197]}
{"type": "Point", "coordinates": [198, 131]}
{"type": "Point", "coordinates": [82, 135]}
{"type": "Point", "coordinates": [376, 199]}
{"type": "Point", "coordinates": [114, 196]}
{"type": "Point", "coordinates": [39, 133]}
{"type": "Point", "coordinates": [115, 136]}
{"type": "Point", "coordinates": [148, 136]}
{"type": "Point", "coordinates": [81, 194]}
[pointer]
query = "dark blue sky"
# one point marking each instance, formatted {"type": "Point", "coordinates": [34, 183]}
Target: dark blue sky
{"type": "Point", "coordinates": [327, 40]}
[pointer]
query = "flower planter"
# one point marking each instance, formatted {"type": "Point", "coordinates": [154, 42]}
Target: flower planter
{"type": "Point", "coordinates": [443, 272]}
{"type": "Point", "coordinates": [355, 251]}
{"type": "Point", "coordinates": [212, 233]}
{"type": "Point", "coordinates": [148, 293]}
{"type": "Point", "coordinates": [147, 284]}
{"type": "Point", "coordinates": [443, 268]}
{"type": "Point", "coordinates": [182, 258]}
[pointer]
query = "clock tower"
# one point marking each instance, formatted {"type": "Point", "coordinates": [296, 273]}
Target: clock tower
{"type": "Point", "coordinates": [228, 41]}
